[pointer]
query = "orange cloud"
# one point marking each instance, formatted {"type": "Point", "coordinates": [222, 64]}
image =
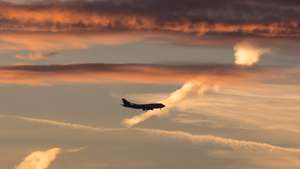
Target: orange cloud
{"type": "Point", "coordinates": [64, 18]}
{"type": "Point", "coordinates": [43, 45]}
{"type": "Point", "coordinates": [39, 159]}
{"type": "Point", "coordinates": [248, 53]}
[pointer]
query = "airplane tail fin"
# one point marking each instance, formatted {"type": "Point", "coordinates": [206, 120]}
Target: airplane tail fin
{"type": "Point", "coordinates": [125, 102]}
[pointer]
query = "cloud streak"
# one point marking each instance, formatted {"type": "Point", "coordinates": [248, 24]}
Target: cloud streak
{"type": "Point", "coordinates": [60, 124]}
{"type": "Point", "coordinates": [131, 73]}
{"type": "Point", "coordinates": [219, 141]}
{"type": "Point", "coordinates": [233, 144]}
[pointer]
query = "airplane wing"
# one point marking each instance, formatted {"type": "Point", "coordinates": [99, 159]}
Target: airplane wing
{"type": "Point", "coordinates": [147, 107]}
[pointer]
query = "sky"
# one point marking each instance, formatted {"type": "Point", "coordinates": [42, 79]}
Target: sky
{"type": "Point", "coordinates": [227, 70]}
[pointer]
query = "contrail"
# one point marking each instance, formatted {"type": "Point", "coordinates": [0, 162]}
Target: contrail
{"type": "Point", "coordinates": [60, 124]}
{"type": "Point", "coordinates": [192, 87]}
{"type": "Point", "coordinates": [178, 135]}
{"type": "Point", "coordinates": [219, 141]}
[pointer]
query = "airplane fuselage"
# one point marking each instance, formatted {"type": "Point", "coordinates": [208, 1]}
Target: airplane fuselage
{"type": "Point", "coordinates": [144, 107]}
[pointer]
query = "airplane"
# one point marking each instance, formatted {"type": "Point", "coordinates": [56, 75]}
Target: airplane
{"type": "Point", "coordinates": [144, 107]}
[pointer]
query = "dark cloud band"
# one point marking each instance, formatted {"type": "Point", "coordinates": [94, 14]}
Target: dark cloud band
{"type": "Point", "coordinates": [130, 73]}
{"type": "Point", "coordinates": [251, 17]}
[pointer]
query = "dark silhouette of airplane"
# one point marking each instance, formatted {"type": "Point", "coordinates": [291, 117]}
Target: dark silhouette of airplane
{"type": "Point", "coordinates": [144, 107]}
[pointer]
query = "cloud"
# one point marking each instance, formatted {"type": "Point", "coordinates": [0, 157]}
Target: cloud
{"type": "Point", "coordinates": [43, 159]}
{"type": "Point", "coordinates": [130, 73]}
{"type": "Point", "coordinates": [247, 53]}
{"type": "Point", "coordinates": [39, 159]}
{"type": "Point", "coordinates": [197, 17]}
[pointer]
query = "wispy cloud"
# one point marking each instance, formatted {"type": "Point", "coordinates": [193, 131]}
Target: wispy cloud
{"type": "Point", "coordinates": [40, 46]}
{"type": "Point", "coordinates": [219, 141]}
{"type": "Point", "coordinates": [59, 123]}
{"type": "Point", "coordinates": [35, 56]}
{"type": "Point", "coordinates": [264, 107]}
